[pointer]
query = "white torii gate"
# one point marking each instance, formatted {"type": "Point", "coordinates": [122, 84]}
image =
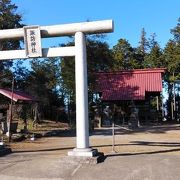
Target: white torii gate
{"type": "Point", "coordinates": [79, 51]}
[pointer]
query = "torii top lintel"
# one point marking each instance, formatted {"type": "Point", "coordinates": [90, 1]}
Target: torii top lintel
{"type": "Point", "coordinates": [93, 27]}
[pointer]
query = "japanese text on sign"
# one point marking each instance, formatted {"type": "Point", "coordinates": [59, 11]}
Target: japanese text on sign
{"type": "Point", "coordinates": [32, 39]}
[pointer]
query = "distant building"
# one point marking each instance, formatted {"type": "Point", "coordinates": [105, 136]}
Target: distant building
{"type": "Point", "coordinates": [140, 86]}
{"type": "Point", "coordinates": [7, 111]}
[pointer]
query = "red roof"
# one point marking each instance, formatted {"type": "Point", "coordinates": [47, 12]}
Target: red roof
{"type": "Point", "coordinates": [129, 85]}
{"type": "Point", "coordinates": [17, 95]}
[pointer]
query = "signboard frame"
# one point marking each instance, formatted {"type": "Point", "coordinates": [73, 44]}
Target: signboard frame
{"type": "Point", "coordinates": [32, 41]}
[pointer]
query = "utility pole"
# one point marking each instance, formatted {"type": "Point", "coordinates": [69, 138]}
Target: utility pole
{"type": "Point", "coordinates": [174, 93]}
{"type": "Point", "coordinates": [11, 111]}
{"type": "Point", "coordinates": [113, 129]}
{"type": "Point", "coordinates": [173, 102]}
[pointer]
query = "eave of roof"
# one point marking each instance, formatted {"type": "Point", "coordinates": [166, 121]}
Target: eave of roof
{"type": "Point", "coordinates": [136, 71]}
{"type": "Point", "coordinates": [17, 95]}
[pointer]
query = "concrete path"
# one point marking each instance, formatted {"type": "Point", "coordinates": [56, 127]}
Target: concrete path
{"type": "Point", "coordinates": [49, 165]}
{"type": "Point", "coordinates": [140, 167]}
{"type": "Point", "coordinates": [152, 153]}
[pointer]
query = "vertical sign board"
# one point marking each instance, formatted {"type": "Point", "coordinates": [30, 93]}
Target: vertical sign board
{"type": "Point", "coordinates": [32, 40]}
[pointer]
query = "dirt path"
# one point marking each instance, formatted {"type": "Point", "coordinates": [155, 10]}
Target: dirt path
{"type": "Point", "coordinates": [147, 140]}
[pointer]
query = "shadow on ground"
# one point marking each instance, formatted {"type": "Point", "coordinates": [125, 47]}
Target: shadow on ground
{"type": "Point", "coordinates": [172, 145]}
{"type": "Point", "coordinates": [60, 133]}
{"type": "Point", "coordinates": [161, 145]}
{"type": "Point", "coordinates": [45, 150]}
{"type": "Point", "coordinates": [120, 130]}
{"type": "Point", "coordinates": [107, 131]}
{"type": "Point", "coordinates": [144, 153]}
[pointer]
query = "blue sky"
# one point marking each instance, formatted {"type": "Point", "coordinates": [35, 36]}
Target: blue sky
{"type": "Point", "coordinates": [130, 16]}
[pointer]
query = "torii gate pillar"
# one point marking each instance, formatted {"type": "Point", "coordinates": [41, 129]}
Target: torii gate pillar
{"type": "Point", "coordinates": [82, 120]}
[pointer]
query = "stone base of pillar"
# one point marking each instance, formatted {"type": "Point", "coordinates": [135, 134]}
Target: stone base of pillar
{"type": "Point", "coordinates": [83, 152]}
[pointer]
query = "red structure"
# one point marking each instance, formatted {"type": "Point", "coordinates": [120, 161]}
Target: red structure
{"type": "Point", "coordinates": [17, 95]}
{"type": "Point", "coordinates": [129, 84]}
{"type": "Point", "coordinates": [6, 111]}
{"type": "Point", "coordinates": [139, 89]}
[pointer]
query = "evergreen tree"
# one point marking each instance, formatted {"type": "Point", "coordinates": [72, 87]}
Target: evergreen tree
{"type": "Point", "coordinates": [124, 56]}
{"type": "Point", "coordinates": [176, 32]}
{"type": "Point", "coordinates": [98, 59]}
{"type": "Point", "coordinates": [172, 54]}
{"type": "Point", "coordinates": [43, 83]}
{"type": "Point", "coordinates": [44, 80]}
{"type": "Point", "coordinates": [172, 59]}
{"type": "Point", "coordinates": [172, 62]}
{"type": "Point", "coordinates": [143, 43]}
{"type": "Point", "coordinates": [142, 49]}
{"type": "Point", "coordinates": [20, 73]}
{"type": "Point", "coordinates": [154, 58]}
{"type": "Point", "coordinates": [9, 19]}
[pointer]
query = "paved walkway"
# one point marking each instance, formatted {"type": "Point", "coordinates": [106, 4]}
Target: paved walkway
{"type": "Point", "coordinates": [149, 154]}
{"type": "Point", "coordinates": [46, 165]}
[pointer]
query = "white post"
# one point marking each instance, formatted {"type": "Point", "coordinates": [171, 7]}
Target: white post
{"type": "Point", "coordinates": [82, 119]}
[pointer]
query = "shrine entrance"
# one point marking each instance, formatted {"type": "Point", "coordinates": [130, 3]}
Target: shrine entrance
{"type": "Point", "coordinates": [32, 37]}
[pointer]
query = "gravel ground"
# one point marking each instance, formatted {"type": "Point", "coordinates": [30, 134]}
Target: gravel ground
{"type": "Point", "coordinates": [146, 140]}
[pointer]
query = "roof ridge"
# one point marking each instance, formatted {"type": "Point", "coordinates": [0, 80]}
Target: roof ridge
{"type": "Point", "coordinates": [135, 71]}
